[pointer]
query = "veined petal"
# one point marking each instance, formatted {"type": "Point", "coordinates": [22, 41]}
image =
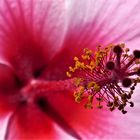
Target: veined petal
{"type": "Point", "coordinates": [90, 24]}
{"type": "Point", "coordinates": [88, 32]}
{"type": "Point", "coordinates": [107, 21]}
{"type": "Point", "coordinates": [30, 33]}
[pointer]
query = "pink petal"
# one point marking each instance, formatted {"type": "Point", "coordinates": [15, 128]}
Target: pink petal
{"type": "Point", "coordinates": [108, 22]}
{"type": "Point", "coordinates": [93, 124]}
{"type": "Point", "coordinates": [76, 39]}
{"type": "Point", "coordinates": [86, 29]}
{"type": "Point", "coordinates": [128, 126]}
{"type": "Point", "coordinates": [29, 31]}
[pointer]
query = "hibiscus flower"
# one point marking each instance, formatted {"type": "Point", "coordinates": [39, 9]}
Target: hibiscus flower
{"type": "Point", "coordinates": [38, 40]}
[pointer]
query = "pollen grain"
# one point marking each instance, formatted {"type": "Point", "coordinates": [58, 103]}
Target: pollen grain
{"type": "Point", "coordinates": [109, 75]}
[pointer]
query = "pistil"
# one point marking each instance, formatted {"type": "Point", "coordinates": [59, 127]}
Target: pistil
{"type": "Point", "coordinates": [106, 75]}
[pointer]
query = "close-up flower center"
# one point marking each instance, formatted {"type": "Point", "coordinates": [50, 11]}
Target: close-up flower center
{"type": "Point", "coordinates": [64, 73]}
{"type": "Point", "coordinates": [110, 75]}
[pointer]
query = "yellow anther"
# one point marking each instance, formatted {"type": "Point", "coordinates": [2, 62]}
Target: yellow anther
{"type": "Point", "coordinates": [90, 98]}
{"type": "Point", "coordinates": [68, 74]}
{"type": "Point", "coordinates": [78, 99]}
{"type": "Point", "coordinates": [85, 57]}
{"type": "Point", "coordinates": [87, 52]}
{"type": "Point", "coordinates": [98, 56]}
{"type": "Point", "coordinates": [98, 60]}
{"type": "Point", "coordinates": [82, 65]}
{"type": "Point", "coordinates": [89, 103]}
{"type": "Point", "coordinates": [97, 88]}
{"type": "Point", "coordinates": [76, 58]}
{"type": "Point", "coordinates": [79, 65]}
{"type": "Point", "coordinates": [75, 94]}
{"type": "Point", "coordinates": [81, 89]}
{"type": "Point", "coordinates": [78, 81]}
{"type": "Point", "coordinates": [78, 95]}
{"type": "Point", "coordinates": [90, 67]}
{"type": "Point", "coordinates": [92, 63]}
{"type": "Point", "coordinates": [91, 84]}
{"type": "Point", "coordinates": [116, 99]}
{"type": "Point", "coordinates": [79, 92]}
{"type": "Point", "coordinates": [71, 69]}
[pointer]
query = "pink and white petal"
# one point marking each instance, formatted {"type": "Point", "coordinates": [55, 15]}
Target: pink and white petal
{"type": "Point", "coordinates": [127, 126]}
{"type": "Point", "coordinates": [107, 21]}
{"type": "Point", "coordinates": [112, 22]}
{"type": "Point", "coordinates": [3, 125]}
{"type": "Point", "coordinates": [46, 18]}
{"type": "Point", "coordinates": [30, 33]}
{"type": "Point", "coordinates": [91, 23]}
{"type": "Point", "coordinates": [76, 39]}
